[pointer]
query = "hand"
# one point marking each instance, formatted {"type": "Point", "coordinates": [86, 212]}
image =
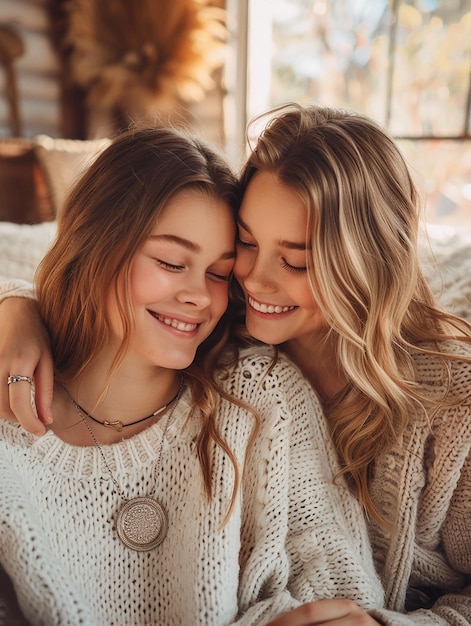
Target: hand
{"type": "Point", "coordinates": [336, 612]}
{"type": "Point", "coordinates": [25, 351]}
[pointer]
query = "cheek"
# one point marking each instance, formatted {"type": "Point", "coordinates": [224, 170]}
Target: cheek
{"type": "Point", "coordinates": [112, 314]}
{"type": "Point", "coordinates": [243, 264]}
{"type": "Point", "coordinates": [148, 283]}
{"type": "Point", "coordinates": [219, 300]}
{"type": "Point", "coordinates": [305, 297]}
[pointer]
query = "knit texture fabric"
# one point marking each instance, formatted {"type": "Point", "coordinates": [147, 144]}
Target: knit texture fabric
{"type": "Point", "coordinates": [423, 485]}
{"type": "Point", "coordinates": [22, 246]}
{"type": "Point", "coordinates": [294, 535]}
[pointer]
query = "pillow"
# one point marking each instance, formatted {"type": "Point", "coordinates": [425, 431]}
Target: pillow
{"type": "Point", "coordinates": [22, 246]}
{"type": "Point", "coordinates": [63, 161]}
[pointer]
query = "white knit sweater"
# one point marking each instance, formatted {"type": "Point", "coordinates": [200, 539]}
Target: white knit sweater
{"type": "Point", "coordinates": [294, 535]}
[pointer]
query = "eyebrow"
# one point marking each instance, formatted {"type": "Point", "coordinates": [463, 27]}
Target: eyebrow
{"type": "Point", "coordinates": [284, 243]}
{"type": "Point", "coordinates": [189, 245]}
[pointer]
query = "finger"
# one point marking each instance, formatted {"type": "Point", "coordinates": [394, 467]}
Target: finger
{"type": "Point", "coordinates": [301, 616]}
{"type": "Point", "coordinates": [21, 402]}
{"type": "Point", "coordinates": [336, 612]}
{"type": "Point", "coordinates": [5, 411]}
{"type": "Point", "coordinates": [44, 388]}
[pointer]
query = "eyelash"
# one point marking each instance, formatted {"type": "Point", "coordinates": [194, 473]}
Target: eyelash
{"type": "Point", "coordinates": [176, 268]}
{"type": "Point", "coordinates": [292, 268]}
{"type": "Point", "coordinates": [244, 244]}
{"type": "Point", "coordinates": [285, 264]}
{"type": "Point", "coordinates": [224, 279]}
{"type": "Point", "coordinates": [169, 266]}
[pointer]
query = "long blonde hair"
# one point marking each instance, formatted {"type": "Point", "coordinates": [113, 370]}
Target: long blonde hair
{"type": "Point", "coordinates": [363, 268]}
{"type": "Point", "coordinates": [108, 216]}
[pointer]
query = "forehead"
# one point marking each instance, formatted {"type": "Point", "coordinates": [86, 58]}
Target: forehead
{"type": "Point", "coordinates": [199, 223]}
{"type": "Point", "coordinates": [271, 207]}
{"type": "Point", "coordinates": [191, 208]}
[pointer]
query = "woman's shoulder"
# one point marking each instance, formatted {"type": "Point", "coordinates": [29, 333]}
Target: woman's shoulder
{"type": "Point", "coordinates": [444, 367]}
{"type": "Point", "coordinates": [261, 371]}
{"type": "Point", "coordinates": [431, 356]}
{"type": "Point", "coordinates": [263, 360]}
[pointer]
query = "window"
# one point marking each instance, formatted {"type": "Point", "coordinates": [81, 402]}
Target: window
{"type": "Point", "coordinates": [405, 63]}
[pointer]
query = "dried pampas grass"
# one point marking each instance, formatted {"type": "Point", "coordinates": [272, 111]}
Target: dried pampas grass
{"type": "Point", "coordinates": [139, 56]}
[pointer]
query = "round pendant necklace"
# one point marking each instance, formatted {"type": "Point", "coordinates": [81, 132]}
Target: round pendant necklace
{"type": "Point", "coordinates": [141, 522]}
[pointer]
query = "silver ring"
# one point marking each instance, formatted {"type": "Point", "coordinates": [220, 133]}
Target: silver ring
{"type": "Point", "coordinates": [17, 379]}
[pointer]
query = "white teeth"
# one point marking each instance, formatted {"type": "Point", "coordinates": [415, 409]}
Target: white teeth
{"type": "Point", "coordinates": [269, 308]}
{"type": "Point", "coordinates": [177, 324]}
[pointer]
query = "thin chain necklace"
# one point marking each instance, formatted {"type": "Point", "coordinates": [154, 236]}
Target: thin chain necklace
{"type": "Point", "coordinates": [117, 424]}
{"type": "Point", "coordinates": [141, 522]}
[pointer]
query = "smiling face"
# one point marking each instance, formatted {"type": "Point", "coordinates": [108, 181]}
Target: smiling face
{"type": "Point", "coordinates": [178, 281]}
{"type": "Point", "coordinates": [271, 263]}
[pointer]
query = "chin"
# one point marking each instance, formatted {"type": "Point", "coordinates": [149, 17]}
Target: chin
{"type": "Point", "coordinates": [181, 363]}
{"type": "Point", "coordinates": [175, 360]}
{"type": "Point", "coordinates": [264, 336]}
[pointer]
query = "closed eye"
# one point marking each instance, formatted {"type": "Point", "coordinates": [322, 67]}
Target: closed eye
{"type": "Point", "coordinates": [244, 244]}
{"type": "Point", "coordinates": [169, 266]}
{"type": "Point", "coordinates": [219, 277]}
{"type": "Point", "coordinates": [293, 268]}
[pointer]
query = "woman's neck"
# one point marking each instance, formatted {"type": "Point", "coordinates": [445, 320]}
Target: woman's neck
{"type": "Point", "coordinates": [317, 362]}
{"type": "Point", "coordinates": [127, 397]}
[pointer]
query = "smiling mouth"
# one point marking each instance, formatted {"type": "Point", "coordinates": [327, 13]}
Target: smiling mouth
{"type": "Point", "coordinates": [174, 323]}
{"type": "Point", "coordinates": [269, 308]}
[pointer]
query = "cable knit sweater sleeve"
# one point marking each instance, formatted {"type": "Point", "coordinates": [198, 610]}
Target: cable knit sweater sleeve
{"type": "Point", "coordinates": [310, 525]}
{"type": "Point", "coordinates": [16, 287]}
{"type": "Point", "coordinates": [425, 481]}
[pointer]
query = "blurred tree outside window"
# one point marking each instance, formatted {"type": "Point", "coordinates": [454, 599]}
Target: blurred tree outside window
{"type": "Point", "coordinates": [405, 63]}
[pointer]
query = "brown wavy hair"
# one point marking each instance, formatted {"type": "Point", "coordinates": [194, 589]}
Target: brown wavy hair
{"type": "Point", "coordinates": [363, 268]}
{"type": "Point", "coordinates": [107, 217]}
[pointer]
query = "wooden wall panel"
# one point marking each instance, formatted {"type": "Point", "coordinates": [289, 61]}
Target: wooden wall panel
{"type": "Point", "coordinates": [38, 79]}
{"type": "Point", "coordinates": [37, 70]}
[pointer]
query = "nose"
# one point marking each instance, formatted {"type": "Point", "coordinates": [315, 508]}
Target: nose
{"type": "Point", "coordinates": [255, 273]}
{"type": "Point", "coordinates": [196, 293]}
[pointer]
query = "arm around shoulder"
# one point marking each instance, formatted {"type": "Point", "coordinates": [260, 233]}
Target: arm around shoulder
{"type": "Point", "coordinates": [25, 351]}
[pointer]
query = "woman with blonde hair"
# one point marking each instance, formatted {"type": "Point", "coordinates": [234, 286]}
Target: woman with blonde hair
{"type": "Point", "coordinates": [328, 266]}
{"type": "Point", "coordinates": [169, 489]}
{"type": "Point", "coordinates": [328, 263]}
